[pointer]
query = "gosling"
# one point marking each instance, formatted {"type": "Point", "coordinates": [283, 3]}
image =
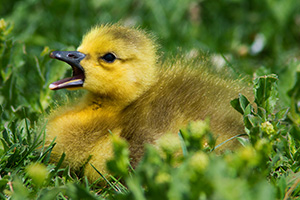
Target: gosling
{"type": "Point", "coordinates": [132, 94]}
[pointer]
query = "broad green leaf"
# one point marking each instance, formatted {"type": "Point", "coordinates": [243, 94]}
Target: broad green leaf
{"type": "Point", "coordinates": [244, 102]}
{"type": "Point", "coordinates": [262, 113]}
{"type": "Point", "coordinates": [236, 105]}
{"type": "Point", "coordinates": [240, 104]}
{"type": "Point", "coordinates": [248, 110]}
{"type": "Point", "coordinates": [251, 121]}
{"type": "Point", "coordinates": [295, 91]}
{"type": "Point", "coordinates": [266, 92]}
{"type": "Point", "coordinates": [287, 81]}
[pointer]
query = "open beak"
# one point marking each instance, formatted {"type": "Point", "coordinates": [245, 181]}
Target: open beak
{"type": "Point", "coordinates": [73, 58]}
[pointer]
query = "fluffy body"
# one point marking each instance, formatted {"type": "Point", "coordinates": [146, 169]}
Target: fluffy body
{"type": "Point", "coordinates": [138, 98]}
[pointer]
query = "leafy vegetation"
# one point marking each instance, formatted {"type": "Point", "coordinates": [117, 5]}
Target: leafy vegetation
{"type": "Point", "coordinates": [252, 37]}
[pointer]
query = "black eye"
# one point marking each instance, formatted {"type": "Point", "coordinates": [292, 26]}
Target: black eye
{"type": "Point", "coordinates": [109, 57]}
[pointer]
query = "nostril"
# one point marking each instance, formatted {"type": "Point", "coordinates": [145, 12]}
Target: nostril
{"type": "Point", "coordinates": [70, 55]}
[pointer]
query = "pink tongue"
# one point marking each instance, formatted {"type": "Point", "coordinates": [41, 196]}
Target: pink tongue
{"type": "Point", "coordinates": [75, 81]}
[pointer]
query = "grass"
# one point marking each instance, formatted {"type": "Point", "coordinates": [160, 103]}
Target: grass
{"type": "Point", "coordinates": [258, 38]}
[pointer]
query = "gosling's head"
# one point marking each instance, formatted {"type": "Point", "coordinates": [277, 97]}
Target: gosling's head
{"type": "Point", "coordinates": [112, 61]}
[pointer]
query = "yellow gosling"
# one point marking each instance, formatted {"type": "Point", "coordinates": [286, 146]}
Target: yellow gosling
{"type": "Point", "coordinates": [133, 95]}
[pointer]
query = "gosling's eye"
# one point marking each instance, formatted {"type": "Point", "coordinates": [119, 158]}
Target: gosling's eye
{"type": "Point", "coordinates": [109, 57]}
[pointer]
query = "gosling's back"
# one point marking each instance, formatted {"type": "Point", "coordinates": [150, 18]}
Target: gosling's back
{"type": "Point", "coordinates": [184, 91]}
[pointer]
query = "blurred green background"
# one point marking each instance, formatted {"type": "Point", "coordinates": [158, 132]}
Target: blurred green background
{"type": "Point", "coordinates": [231, 27]}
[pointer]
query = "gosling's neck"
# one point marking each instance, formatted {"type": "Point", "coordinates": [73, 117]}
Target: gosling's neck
{"type": "Point", "coordinates": [112, 103]}
{"type": "Point", "coordinates": [103, 102]}
{"type": "Point", "coordinates": [121, 97]}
